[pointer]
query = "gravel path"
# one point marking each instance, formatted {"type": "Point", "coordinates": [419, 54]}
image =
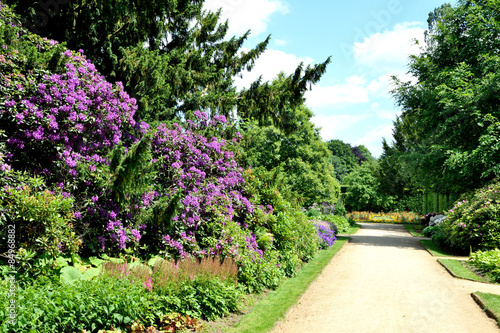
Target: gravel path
{"type": "Point", "coordinates": [384, 281]}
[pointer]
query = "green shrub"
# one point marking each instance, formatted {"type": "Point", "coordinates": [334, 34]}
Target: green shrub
{"type": "Point", "coordinates": [436, 233]}
{"type": "Point", "coordinates": [431, 230]}
{"type": "Point", "coordinates": [341, 223]}
{"type": "Point", "coordinates": [207, 298]}
{"type": "Point", "coordinates": [313, 213]}
{"type": "Point", "coordinates": [42, 218]}
{"type": "Point", "coordinates": [474, 223]}
{"type": "Point", "coordinates": [340, 208]}
{"type": "Point", "coordinates": [258, 274]}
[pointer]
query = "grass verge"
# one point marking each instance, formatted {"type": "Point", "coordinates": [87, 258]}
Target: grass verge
{"type": "Point", "coordinates": [415, 229]}
{"type": "Point", "coordinates": [434, 249]}
{"type": "Point", "coordinates": [274, 307]}
{"type": "Point", "coordinates": [459, 270]}
{"type": "Point", "coordinates": [353, 229]}
{"type": "Point", "coordinates": [490, 303]}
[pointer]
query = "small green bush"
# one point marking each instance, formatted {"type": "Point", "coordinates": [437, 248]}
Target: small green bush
{"type": "Point", "coordinates": [199, 298]}
{"type": "Point", "coordinates": [431, 230]}
{"type": "Point", "coordinates": [474, 222]}
{"type": "Point", "coordinates": [341, 223]}
{"type": "Point", "coordinates": [42, 218]}
{"type": "Point", "coordinates": [340, 208]}
{"type": "Point", "coordinates": [437, 234]}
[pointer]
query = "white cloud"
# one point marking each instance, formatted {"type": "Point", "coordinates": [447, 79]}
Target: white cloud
{"type": "Point", "coordinates": [269, 65]}
{"type": "Point", "coordinates": [381, 86]}
{"type": "Point", "coordinates": [352, 91]}
{"type": "Point", "coordinates": [386, 114]}
{"type": "Point", "coordinates": [244, 14]}
{"type": "Point", "coordinates": [389, 51]}
{"type": "Point", "coordinates": [333, 125]}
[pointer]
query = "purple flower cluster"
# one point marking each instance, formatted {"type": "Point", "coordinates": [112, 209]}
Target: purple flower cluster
{"type": "Point", "coordinates": [77, 110]}
{"type": "Point", "coordinates": [63, 125]}
{"type": "Point", "coordinates": [326, 236]}
{"type": "Point", "coordinates": [203, 170]}
{"type": "Point", "coordinates": [251, 243]}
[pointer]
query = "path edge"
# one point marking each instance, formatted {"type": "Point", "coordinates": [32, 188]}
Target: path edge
{"type": "Point", "coordinates": [305, 291]}
{"type": "Point", "coordinates": [482, 305]}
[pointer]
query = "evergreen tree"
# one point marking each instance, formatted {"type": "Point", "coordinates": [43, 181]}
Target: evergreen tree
{"type": "Point", "coordinates": [171, 55]}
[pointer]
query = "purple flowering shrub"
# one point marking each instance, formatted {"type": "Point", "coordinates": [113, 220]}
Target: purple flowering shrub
{"type": "Point", "coordinates": [201, 183]}
{"type": "Point", "coordinates": [67, 125]}
{"type": "Point", "coordinates": [326, 236]}
{"type": "Point", "coordinates": [177, 190]}
{"type": "Point", "coordinates": [474, 223]}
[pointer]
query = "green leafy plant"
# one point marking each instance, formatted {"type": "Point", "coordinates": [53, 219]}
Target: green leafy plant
{"type": "Point", "coordinates": [487, 262]}
{"type": "Point", "coordinates": [90, 305]}
{"type": "Point", "coordinates": [42, 219]}
{"type": "Point", "coordinates": [175, 322]}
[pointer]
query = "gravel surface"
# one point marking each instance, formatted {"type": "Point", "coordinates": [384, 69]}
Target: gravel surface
{"type": "Point", "coordinates": [384, 281]}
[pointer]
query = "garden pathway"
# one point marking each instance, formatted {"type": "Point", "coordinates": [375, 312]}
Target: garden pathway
{"type": "Point", "coordinates": [384, 281]}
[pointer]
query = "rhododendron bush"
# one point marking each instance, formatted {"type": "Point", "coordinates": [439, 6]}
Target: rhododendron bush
{"type": "Point", "coordinates": [63, 125]}
{"type": "Point", "coordinates": [175, 190]}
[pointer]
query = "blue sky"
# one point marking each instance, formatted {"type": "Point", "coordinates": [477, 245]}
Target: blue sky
{"type": "Point", "coordinates": [368, 40]}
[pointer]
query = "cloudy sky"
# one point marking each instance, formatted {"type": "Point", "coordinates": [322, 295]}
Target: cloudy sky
{"type": "Point", "coordinates": [368, 40]}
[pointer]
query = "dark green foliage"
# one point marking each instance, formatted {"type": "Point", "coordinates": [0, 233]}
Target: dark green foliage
{"type": "Point", "coordinates": [300, 158]}
{"type": "Point", "coordinates": [363, 193]}
{"type": "Point", "coordinates": [340, 208]}
{"type": "Point", "coordinates": [343, 159]}
{"type": "Point", "coordinates": [90, 305]}
{"type": "Point", "coordinates": [434, 202]}
{"type": "Point", "coordinates": [396, 178]}
{"type": "Point", "coordinates": [131, 171]}
{"type": "Point", "coordinates": [449, 126]}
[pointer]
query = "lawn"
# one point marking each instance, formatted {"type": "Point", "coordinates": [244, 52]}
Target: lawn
{"type": "Point", "coordinates": [434, 249]}
{"type": "Point", "coordinates": [459, 269]}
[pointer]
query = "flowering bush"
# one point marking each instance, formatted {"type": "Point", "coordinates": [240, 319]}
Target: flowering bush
{"type": "Point", "coordinates": [393, 217]}
{"type": "Point", "coordinates": [176, 189]}
{"type": "Point", "coordinates": [474, 222]}
{"type": "Point", "coordinates": [326, 236]}
{"type": "Point", "coordinates": [62, 120]}
{"type": "Point", "coordinates": [202, 185]}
